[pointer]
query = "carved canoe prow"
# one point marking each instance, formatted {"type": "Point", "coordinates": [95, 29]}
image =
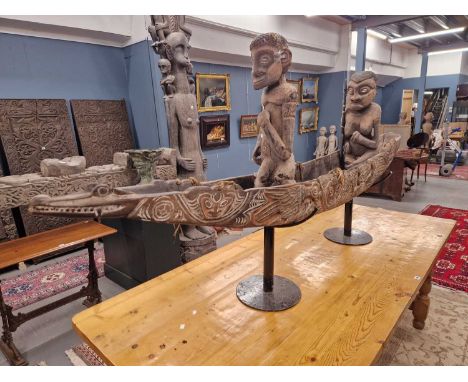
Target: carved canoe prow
{"type": "Point", "coordinates": [227, 203]}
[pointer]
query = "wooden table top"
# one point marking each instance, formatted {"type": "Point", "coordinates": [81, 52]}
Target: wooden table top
{"type": "Point", "coordinates": [352, 297]}
{"type": "Point", "coordinates": [29, 247]}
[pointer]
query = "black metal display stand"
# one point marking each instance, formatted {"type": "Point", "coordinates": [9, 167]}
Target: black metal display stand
{"type": "Point", "coordinates": [268, 292]}
{"type": "Point", "coordinates": [347, 235]}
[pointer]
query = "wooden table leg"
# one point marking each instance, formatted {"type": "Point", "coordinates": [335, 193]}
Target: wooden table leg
{"type": "Point", "coordinates": [420, 305]}
{"type": "Point", "coordinates": [7, 345]}
{"type": "Point", "coordinates": [94, 294]}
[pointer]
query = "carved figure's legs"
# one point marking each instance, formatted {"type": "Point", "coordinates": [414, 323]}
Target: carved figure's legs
{"type": "Point", "coordinates": [94, 295]}
{"type": "Point", "coordinates": [350, 162]}
{"type": "Point", "coordinates": [420, 305]}
{"type": "Point", "coordinates": [263, 178]}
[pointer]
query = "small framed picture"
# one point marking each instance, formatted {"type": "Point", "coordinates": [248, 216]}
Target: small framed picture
{"type": "Point", "coordinates": [308, 119]}
{"type": "Point", "coordinates": [214, 131]}
{"type": "Point", "coordinates": [309, 90]}
{"type": "Point", "coordinates": [296, 84]}
{"type": "Point", "coordinates": [248, 126]}
{"type": "Point", "coordinates": [213, 92]}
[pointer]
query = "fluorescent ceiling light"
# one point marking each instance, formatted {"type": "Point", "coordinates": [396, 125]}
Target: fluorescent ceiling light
{"type": "Point", "coordinates": [426, 35]}
{"type": "Point", "coordinates": [447, 51]}
{"type": "Point", "coordinates": [376, 34]}
{"type": "Point", "coordinates": [429, 93]}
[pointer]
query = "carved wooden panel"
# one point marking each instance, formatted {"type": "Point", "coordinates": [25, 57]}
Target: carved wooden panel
{"type": "Point", "coordinates": [36, 223]}
{"type": "Point", "coordinates": [7, 226]}
{"type": "Point", "coordinates": [32, 130]}
{"type": "Point", "coordinates": [102, 128]}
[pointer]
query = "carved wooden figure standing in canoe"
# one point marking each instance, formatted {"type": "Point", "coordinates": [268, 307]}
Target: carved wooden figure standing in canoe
{"type": "Point", "coordinates": [361, 132]}
{"type": "Point", "coordinates": [271, 59]}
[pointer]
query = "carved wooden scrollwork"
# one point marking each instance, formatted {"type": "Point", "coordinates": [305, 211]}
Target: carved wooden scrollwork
{"type": "Point", "coordinates": [102, 128]}
{"type": "Point", "coordinates": [32, 130]}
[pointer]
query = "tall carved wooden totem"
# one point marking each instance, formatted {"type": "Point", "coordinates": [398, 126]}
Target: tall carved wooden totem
{"type": "Point", "coordinates": [171, 42]}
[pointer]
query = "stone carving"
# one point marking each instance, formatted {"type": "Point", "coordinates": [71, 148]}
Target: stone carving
{"type": "Point", "coordinates": [227, 203]}
{"type": "Point", "coordinates": [427, 126]}
{"type": "Point", "coordinates": [171, 41]}
{"type": "Point", "coordinates": [154, 164]}
{"type": "Point", "coordinates": [102, 128]}
{"type": "Point", "coordinates": [362, 119]}
{"type": "Point", "coordinates": [332, 144]}
{"type": "Point", "coordinates": [65, 166]}
{"type": "Point", "coordinates": [271, 59]}
{"type": "Point", "coordinates": [322, 142]}
{"type": "Point", "coordinates": [33, 130]}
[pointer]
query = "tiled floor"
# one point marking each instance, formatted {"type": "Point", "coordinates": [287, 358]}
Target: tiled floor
{"type": "Point", "coordinates": [443, 341]}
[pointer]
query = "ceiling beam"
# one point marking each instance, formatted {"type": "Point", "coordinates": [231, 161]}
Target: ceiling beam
{"type": "Point", "coordinates": [375, 21]}
{"type": "Point", "coordinates": [454, 45]}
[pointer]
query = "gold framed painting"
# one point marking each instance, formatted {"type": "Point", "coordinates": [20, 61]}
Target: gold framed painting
{"type": "Point", "coordinates": [248, 126]}
{"type": "Point", "coordinates": [296, 84]}
{"type": "Point", "coordinates": [309, 89]}
{"type": "Point", "coordinates": [213, 92]}
{"type": "Point", "coordinates": [308, 119]}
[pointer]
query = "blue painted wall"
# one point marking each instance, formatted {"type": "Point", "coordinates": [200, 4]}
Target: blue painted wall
{"type": "Point", "coordinates": [391, 94]}
{"type": "Point", "coordinates": [32, 67]}
{"type": "Point", "coordinates": [235, 159]}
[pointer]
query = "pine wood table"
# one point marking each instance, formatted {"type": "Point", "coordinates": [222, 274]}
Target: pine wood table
{"type": "Point", "coordinates": [352, 298]}
{"type": "Point", "coordinates": [34, 246]}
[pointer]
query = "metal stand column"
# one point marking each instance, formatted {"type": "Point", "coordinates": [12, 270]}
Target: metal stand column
{"type": "Point", "coordinates": [268, 292]}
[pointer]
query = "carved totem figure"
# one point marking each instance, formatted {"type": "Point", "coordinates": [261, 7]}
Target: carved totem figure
{"type": "Point", "coordinates": [427, 125]}
{"type": "Point", "coordinates": [402, 120]}
{"type": "Point", "coordinates": [332, 144]}
{"type": "Point", "coordinates": [322, 141]}
{"type": "Point", "coordinates": [171, 41]}
{"type": "Point", "coordinates": [362, 119]}
{"type": "Point", "coordinates": [271, 59]}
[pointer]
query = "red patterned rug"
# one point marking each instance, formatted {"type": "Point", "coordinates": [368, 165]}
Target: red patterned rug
{"type": "Point", "coordinates": [451, 268]}
{"type": "Point", "coordinates": [34, 286]}
{"type": "Point", "coordinates": [460, 172]}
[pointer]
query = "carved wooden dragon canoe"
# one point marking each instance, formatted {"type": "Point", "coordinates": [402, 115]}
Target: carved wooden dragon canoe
{"type": "Point", "coordinates": [229, 202]}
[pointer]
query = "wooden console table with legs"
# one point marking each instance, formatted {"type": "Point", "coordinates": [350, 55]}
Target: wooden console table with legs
{"type": "Point", "coordinates": [352, 298]}
{"type": "Point", "coordinates": [34, 246]}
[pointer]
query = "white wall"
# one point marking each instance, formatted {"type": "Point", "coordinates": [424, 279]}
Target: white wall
{"type": "Point", "coordinates": [317, 44]}
{"type": "Point", "coordinates": [464, 64]}
{"type": "Point", "coordinates": [441, 64]}
{"type": "Point", "coordinates": [103, 30]}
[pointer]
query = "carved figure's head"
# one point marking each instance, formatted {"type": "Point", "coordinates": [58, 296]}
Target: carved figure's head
{"type": "Point", "coordinates": [332, 129]}
{"type": "Point", "coordinates": [323, 130]}
{"type": "Point", "coordinates": [362, 89]}
{"type": "Point", "coordinates": [271, 59]}
{"type": "Point", "coordinates": [177, 48]}
{"type": "Point", "coordinates": [429, 117]}
{"type": "Point", "coordinates": [164, 66]}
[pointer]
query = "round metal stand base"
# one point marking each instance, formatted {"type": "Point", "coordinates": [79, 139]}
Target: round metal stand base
{"type": "Point", "coordinates": [357, 237]}
{"type": "Point", "coordinates": [285, 294]}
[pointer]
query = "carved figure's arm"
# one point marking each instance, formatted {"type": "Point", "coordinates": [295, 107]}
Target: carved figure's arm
{"type": "Point", "coordinates": [173, 125]}
{"type": "Point", "coordinates": [275, 142]}
{"type": "Point", "coordinates": [257, 152]}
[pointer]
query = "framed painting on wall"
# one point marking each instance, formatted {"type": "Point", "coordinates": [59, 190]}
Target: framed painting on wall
{"type": "Point", "coordinates": [213, 93]}
{"type": "Point", "coordinates": [308, 119]}
{"type": "Point", "coordinates": [297, 85]}
{"type": "Point", "coordinates": [214, 131]}
{"type": "Point", "coordinates": [248, 126]}
{"type": "Point", "coordinates": [309, 90]}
